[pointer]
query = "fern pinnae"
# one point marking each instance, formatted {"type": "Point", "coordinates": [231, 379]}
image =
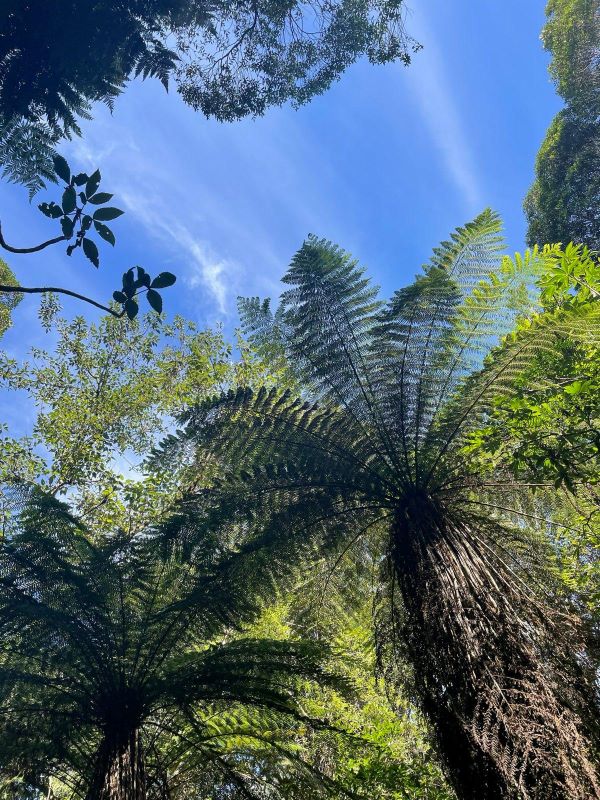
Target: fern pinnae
{"type": "Point", "coordinates": [459, 352]}
{"type": "Point", "coordinates": [364, 310]}
{"type": "Point", "coordinates": [361, 532]}
{"type": "Point", "coordinates": [402, 398]}
{"type": "Point", "coordinates": [456, 425]}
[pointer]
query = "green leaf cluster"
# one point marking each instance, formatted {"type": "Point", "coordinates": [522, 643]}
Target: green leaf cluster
{"type": "Point", "coordinates": [76, 222]}
{"type": "Point", "coordinates": [79, 190]}
{"type": "Point", "coordinates": [132, 286]}
{"type": "Point", "coordinates": [104, 397]}
{"type": "Point", "coordinates": [8, 302]}
{"type": "Point", "coordinates": [547, 428]}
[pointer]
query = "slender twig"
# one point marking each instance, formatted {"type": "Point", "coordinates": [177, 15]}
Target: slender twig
{"type": "Point", "coordinates": [34, 249]}
{"type": "Point", "coordinates": [57, 290]}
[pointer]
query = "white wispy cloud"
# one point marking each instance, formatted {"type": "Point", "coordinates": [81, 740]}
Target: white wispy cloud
{"type": "Point", "coordinates": [216, 274]}
{"type": "Point", "coordinates": [148, 192]}
{"type": "Point", "coordinates": [205, 268]}
{"type": "Point", "coordinates": [228, 204]}
{"type": "Point", "coordinates": [431, 88]}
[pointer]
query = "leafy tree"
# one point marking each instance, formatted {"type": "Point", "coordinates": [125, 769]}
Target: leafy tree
{"type": "Point", "coordinates": [562, 205]}
{"type": "Point", "coordinates": [564, 201]}
{"type": "Point", "coordinates": [375, 448]}
{"type": "Point", "coordinates": [119, 672]}
{"type": "Point", "coordinates": [229, 59]}
{"type": "Point", "coordinates": [547, 429]}
{"type": "Point", "coordinates": [26, 152]}
{"type": "Point", "coordinates": [104, 397]}
{"type": "Point", "coordinates": [571, 34]}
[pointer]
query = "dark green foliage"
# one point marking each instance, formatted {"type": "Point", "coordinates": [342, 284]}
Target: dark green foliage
{"type": "Point", "coordinates": [75, 221]}
{"type": "Point", "coordinates": [373, 455]}
{"type": "Point", "coordinates": [122, 670]}
{"type": "Point", "coordinates": [262, 54]}
{"type": "Point", "coordinates": [564, 201]}
{"type": "Point", "coordinates": [26, 152]}
{"type": "Point", "coordinates": [563, 205]}
{"type": "Point", "coordinates": [57, 61]}
{"type": "Point", "coordinates": [134, 286]}
{"type": "Point", "coordinates": [229, 59]}
{"type": "Point", "coordinates": [571, 34]}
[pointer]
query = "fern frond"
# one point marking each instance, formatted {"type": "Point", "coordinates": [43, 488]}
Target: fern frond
{"type": "Point", "coordinates": [331, 312]}
{"type": "Point", "coordinates": [26, 153]}
{"type": "Point", "coordinates": [503, 368]}
{"type": "Point", "coordinates": [134, 631]}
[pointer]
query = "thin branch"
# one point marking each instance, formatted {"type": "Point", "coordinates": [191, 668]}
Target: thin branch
{"type": "Point", "coordinates": [35, 249]}
{"type": "Point", "coordinates": [57, 290]}
{"type": "Point", "coordinates": [247, 32]}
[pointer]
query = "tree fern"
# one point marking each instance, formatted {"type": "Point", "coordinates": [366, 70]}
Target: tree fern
{"type": "Point", "coordinates": [374, 450]}
{"type": "Point", "coordinates": [119, 667]}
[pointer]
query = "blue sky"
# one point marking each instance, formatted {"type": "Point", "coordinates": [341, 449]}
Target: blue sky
{"type": "Point", "coordinates": [386, 164]}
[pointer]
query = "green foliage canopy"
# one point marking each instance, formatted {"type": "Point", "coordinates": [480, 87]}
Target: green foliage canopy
{"type": "Point", "coordinates": [562, 204]}
{"type": "Point", "coordinates": [102, 398]}
{"type": "Point", "coordinates": [119, 670]}
{"type": "Point", "coordinates": [547, 430]}
{"type": "Point", "coordinates": [564, 201]}
{"type": "Point", "coordinates": [229, 59]}
{"type": "Point", "coordinates": [571, 34]}
{"type": "Point", "coordinates": [548, 427]}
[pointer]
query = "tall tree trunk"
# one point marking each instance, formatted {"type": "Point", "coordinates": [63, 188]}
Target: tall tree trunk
{"type": "Point", "coordinates": [120, 770]}
{"type": "Point", "coordinates": [487, 665]}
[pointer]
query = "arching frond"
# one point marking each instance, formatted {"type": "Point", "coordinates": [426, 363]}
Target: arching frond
{"type": "Point", "coordinates": [106, 645]}
{"type": "Point", "coordinates": [330, 314]}
{"type": "Point", "coordinates": [502, 369]}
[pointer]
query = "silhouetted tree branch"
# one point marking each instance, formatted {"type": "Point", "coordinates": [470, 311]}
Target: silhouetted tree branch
{"type": "Point", "coordinates": [57, 290]}
{"type": "Point", "coordinates": [34, 249]}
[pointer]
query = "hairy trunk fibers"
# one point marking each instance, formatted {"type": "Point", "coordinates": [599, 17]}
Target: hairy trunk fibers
{"type": "Point", "coordinates": [120, 772]}
{"type": "Point", "coordinates": [490, 669]}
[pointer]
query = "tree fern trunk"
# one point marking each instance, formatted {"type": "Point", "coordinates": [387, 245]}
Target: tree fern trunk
{"type": "Point", "coordinates": [486, 666]}
{"type": "Point", "coordinates": [120, 771]}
